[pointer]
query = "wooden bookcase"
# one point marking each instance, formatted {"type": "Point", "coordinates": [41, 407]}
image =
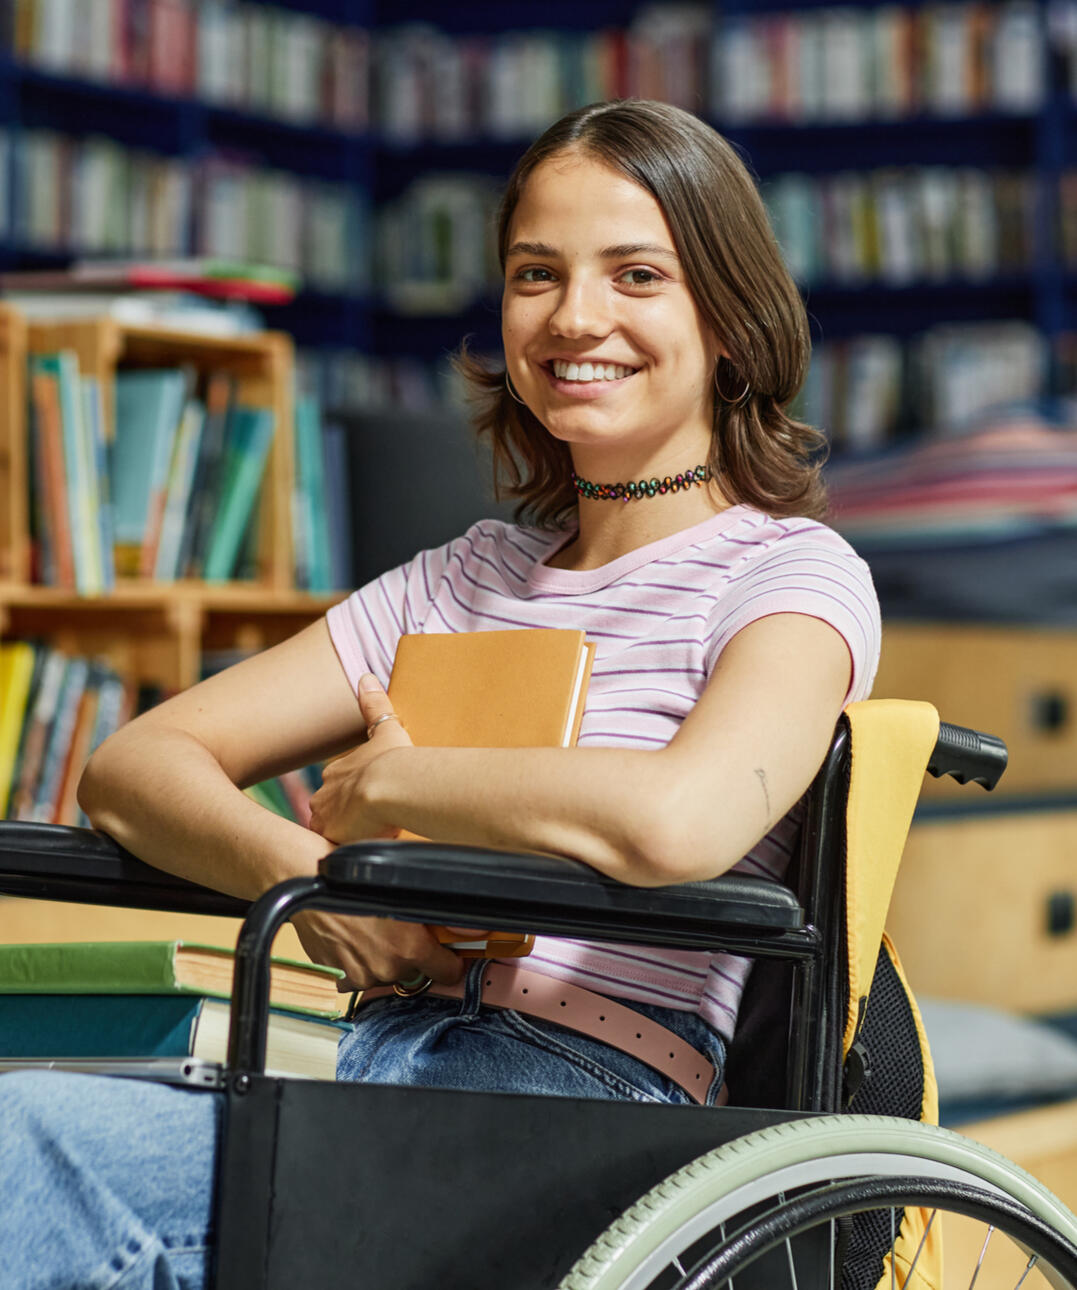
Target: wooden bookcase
{"type": "Point", "coordinates": [153, 632]}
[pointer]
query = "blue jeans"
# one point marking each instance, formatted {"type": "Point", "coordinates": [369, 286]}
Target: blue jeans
{"type": "Point", "coordinates": [107, 1184]}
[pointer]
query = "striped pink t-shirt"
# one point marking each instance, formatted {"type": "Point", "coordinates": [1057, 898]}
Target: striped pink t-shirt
{"type": "Point", "coordinates": [659, 618]}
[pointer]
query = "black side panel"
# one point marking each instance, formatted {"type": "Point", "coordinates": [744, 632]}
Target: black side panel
{"type": "Point", "coordinates": [758, 1058]}
{"type": "Point", "coordinates": [245, 1182]}
{"type": "Point", "coordinates": [414, 1188]}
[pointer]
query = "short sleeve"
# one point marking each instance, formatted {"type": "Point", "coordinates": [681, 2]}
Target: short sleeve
{"type": "Point", "coordinates": [366, 627]}
{"type": "Point", "coordinates": [814, 571]}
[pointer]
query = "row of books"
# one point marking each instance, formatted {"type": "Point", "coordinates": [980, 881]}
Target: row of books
{"type": "Point", "coordinates": [428, 84]}
{"type": "Point", "coordinates": [172, 492]}
{"type": "Point", "coordinates": [260, 58]}
{"type": "Point", "coordinates": [900, 226]}
{"type": "Point", "coordinates": [172, 489]}
{"type": "Point", "coordinates": [94, 196]}
{"type": "Point", "coordinates": [56, 709]}
{"type": "Point", "coordinates": [867, 390]}
{"type": "Point", "coordinates": [847, 63]}
{"type": "Point", "coordinates": [90, 1002]}
{"type": "Point", "coordinates": [893, 225]}
{"type": "Point", "coordinates": [413, 81]}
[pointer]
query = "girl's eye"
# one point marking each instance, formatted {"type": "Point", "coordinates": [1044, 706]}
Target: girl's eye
{"type": "Point", "coordinates": [640, 277]}
{"type": "Point", "coordinates": [534, 274]}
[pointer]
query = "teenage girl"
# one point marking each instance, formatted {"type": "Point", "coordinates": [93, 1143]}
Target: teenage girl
{"type": "Point", "coordinates": [652, 341]}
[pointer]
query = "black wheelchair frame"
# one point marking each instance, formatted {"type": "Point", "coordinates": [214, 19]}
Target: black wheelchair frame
{"type": "Point", "coordinates": [404, 1187]}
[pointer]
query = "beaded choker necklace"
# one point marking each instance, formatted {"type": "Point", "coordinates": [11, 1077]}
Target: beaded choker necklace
{"type": "Point", "coordinates": [633, 492]}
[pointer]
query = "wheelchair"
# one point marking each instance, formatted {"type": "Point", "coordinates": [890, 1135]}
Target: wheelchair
{"type": "Point", "coordinates": [820, 1171]}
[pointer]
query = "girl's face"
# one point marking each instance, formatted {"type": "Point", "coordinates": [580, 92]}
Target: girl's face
{"type": "Point", "coordinates": [603, 340]}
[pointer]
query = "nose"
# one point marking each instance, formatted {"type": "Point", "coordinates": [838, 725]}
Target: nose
{"type": "Point", "coordinates": [581, 310]}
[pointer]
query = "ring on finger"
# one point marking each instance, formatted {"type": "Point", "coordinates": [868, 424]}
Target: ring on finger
{"type": "Point", "coordinates": [385, 716]}
{"type": "Point", "coordinates": [417, 984]}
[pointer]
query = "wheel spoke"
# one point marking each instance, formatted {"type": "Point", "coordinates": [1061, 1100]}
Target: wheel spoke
{"type": "Point", "coordinates": [980, 1260]}
{"type": "Point", "coordinates": [1031, 1264]}
{"type": "Point", "coordinates": [893, 1251]}
{"type": "Point", "coordinates": [789, 1252]}
{"type": "Point", "coordinates": [923, 1240]}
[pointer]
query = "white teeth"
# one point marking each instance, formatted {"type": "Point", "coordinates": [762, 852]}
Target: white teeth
{"type": "Point", "coordinates": [566, 371]}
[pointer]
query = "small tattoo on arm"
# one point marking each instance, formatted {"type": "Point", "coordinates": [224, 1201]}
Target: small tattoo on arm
{"type": "Point", "coordinates": [761, 775]}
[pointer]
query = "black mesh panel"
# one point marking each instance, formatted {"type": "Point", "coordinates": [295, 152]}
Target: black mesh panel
{"type": "Point", "coordinates": [893, 1085]}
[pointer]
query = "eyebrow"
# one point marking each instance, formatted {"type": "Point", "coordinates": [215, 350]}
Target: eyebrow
{"type": "Point", "coordinates": [624, 251]}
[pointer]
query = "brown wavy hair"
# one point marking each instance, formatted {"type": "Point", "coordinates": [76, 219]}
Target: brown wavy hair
{"type": "Point", "coordinates": [734, 269]}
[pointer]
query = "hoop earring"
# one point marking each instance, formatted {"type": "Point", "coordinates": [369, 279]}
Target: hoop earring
{"type": "Point", "coordinates": [512, 392]}
{"type": "Point", "coordinates": [738, 402]}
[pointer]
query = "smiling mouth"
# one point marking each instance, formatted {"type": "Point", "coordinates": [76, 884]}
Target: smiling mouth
{"type": "Point", "coordinates": [585, 373]}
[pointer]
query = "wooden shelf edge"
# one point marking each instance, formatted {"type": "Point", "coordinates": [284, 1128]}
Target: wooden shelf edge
{"type": "Point", "coordinates": [217, 597]}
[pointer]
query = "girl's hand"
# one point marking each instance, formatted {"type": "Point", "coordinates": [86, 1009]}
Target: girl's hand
{"type": "Point", "coordinates": [368, 950]}
{"type": "Point", "coordinates": [371, 951]}
{"type": "Point", "coordinates": [340, 809]}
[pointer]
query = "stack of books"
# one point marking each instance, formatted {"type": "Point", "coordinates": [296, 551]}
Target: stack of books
{"type": "Point", "coordinates": [173, 495]}
{"type": "Point", "coordinates": [1014, 477]}
{"type": "Point", "coordinates": [153, 999]}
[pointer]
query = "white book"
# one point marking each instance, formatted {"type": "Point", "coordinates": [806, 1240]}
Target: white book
{"type": "Point", "coordinates": [949, 90]}
{"type": "Point", "coordinates": [1019, 57]}
{"type": "Point", "coordinates": [846, 50]}
{"type": "Point", "coordinates": [53, 32]}
{"type": "Point", "coordinates": [873, 368]}
{"type": "Point", "coordinates": [935, 192]}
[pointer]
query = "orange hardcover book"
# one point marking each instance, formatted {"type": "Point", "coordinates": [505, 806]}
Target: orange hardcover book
{"type": "Point", "coordinates": [48, 428]}
{"type": "Point", "coordinates": [513, 689]}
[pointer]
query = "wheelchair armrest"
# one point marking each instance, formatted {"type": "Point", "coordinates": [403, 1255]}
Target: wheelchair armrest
{"type": "Point", "coordinates": [57, 862]}
{"type": "Point", "coordinates": [469, 886]}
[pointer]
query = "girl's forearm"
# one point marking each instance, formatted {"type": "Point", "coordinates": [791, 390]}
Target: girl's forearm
{"type": "Point", "coordinates": [163, 796]}
{"type": "Point", "coordinates": [623, 812]}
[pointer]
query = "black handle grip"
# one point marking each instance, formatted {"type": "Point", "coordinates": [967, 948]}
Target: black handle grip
{"type": "Point", "coordinates": [968, 755]}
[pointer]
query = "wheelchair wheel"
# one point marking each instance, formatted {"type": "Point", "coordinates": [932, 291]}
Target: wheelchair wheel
{"type": "Point", "coordinates": [763, 1189]}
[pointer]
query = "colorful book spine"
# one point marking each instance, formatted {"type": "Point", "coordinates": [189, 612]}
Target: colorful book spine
{"type": "Point", "coordinates": [177, 497]}
{"type": "Point", "coordinates": [58, 744]}
{"type": "Point", "coordinates": [35, 737]}
{"type": "Point", "coordinates": [93, 416]}
{"type": "Point", "coordinates": [16, 675]}
{"type": "Point", "coordinates": [250, 435]}
{"type": "Point", "coordinates": [58, 565]}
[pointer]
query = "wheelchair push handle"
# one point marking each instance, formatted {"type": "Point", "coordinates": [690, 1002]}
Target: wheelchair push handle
{"type": "Point", "coordinates": [968, 755]}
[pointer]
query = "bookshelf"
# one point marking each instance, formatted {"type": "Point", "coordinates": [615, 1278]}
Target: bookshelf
{"type": "Point", "coordinates": [459, 91]}
{"type": "Point", "coordinates": [154, 633]}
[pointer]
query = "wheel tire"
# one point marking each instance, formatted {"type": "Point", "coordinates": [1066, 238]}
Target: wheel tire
{"type": "Point", "coordinates": [725, 1182]}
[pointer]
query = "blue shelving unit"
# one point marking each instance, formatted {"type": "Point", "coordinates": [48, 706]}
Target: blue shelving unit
{"type": "Point", "coordinates": [1044, 142]}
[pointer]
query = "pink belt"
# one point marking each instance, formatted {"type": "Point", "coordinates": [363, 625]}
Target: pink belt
{"type": "Point", "coordinates": [545, 997]}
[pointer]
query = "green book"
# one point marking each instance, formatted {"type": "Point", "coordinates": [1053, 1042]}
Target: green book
{"type": "Point", "coordinates": [160, 967]}
{"type": "Point", "coordinates": [250, 432]}
{"type": "Point", "coordinates": [146, 1025]}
